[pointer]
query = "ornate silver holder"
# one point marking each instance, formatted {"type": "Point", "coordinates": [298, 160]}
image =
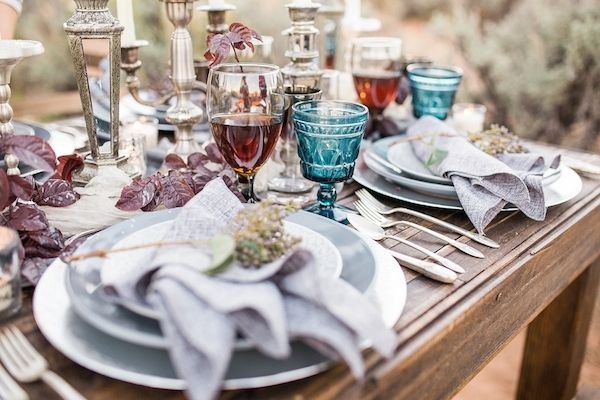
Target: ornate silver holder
{"type": "Point", "coordinates": [11, 54]}
{"type": "Point", "coordinates": [184, 114]}
{"type": "Point", "coordinates": [331, 12]}
{"type": "Point", "coordinates": [93, 20]}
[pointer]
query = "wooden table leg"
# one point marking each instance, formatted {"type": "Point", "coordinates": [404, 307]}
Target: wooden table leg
{"type": "Point", "coordinates": [556, 341]}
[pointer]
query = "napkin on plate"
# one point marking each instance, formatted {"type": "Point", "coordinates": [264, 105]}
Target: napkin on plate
{"type": "Point", "coordinates": [288, 299]}
{"type": "Point", "coordinates": [484, 184]}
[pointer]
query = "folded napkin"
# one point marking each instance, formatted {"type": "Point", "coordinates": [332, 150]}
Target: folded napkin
{"type": "Point", "coordinates": [201, 315]}
{"type": "Point", "coordinates": [484, 184]}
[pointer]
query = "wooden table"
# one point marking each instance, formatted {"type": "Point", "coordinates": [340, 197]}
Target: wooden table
{"type": "Point", "coordinates": [545, 275]}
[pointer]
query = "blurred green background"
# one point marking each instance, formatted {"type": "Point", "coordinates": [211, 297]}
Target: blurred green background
{"type": "Point", "coordinates": [536, 65]}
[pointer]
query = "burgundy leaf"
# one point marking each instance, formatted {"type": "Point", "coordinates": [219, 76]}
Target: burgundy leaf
{"type": "Point", "coordinates": [5, 190]}
{"type": "Point", "coordinates": [32, 151]}
{"type": "Point", "coordinates": [26, 217]}
{"type": "Point", "coordinates": [138, 194]}
{"type": "Point", "coordinates": [55, 193]}
{"type": "Point", "coordinates": [197, 160]}
{"type": "Point", "coordinates": [173, 161]}
{"type": "Point", "coordinates": [32, 269]}
{"type": "Point", "coordinates": [218, 49]}
{"type": "Point", "coordinates": [33, 249]}
{"type": "Point", "coordinates": [199, 181]}
{"type": "Point", "coordinates": [403, 90]}
{"type": "Point", "coordinates": [50, 238]}
{"type": "Point", "coordinates": [175, 190]}
{"type": "Point", "coordinates": [241, 36]}
{"type": "Point", "coordinates": [233, 186]}
{"type": "Point", "coordinates": [67, 165]}
{"type": "Point", "coordinates": [213, 153]}
{"type": "Point", "coordinates": [21, 188]}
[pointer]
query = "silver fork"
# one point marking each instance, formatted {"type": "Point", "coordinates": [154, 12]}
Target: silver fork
{"type": "Point", "coordinates": [9, 388]}
{"type": "Point", "coordinates": [27, 365]}
{"type": "Point", "coordinates": [381, 208]}
{"type": "Point", "coordinates": [384, 222]}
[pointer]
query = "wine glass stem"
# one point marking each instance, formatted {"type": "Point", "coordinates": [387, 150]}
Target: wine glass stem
{"type": "Point", "coordinates": [251, 196]}
{"type": "Point", "coordinates": [326, 196]}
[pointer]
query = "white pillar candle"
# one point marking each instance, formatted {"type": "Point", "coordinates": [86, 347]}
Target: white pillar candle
{"type": "Point", "coordinates": [125, 15]}
{"type": "Point", "coordinates": [142, 126]}
{"type": "Point", "coordinates": [216, 3]}
{"type": "Point", "coordinates": [353, 10]}
{"type": "Point", "coordinates": [469, 118]}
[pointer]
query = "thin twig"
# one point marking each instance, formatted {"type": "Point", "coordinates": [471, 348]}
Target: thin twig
{"type": "Point", "coordinates": [103, 253]}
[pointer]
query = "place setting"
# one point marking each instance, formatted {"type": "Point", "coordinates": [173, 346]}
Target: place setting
{"type": "Point", "coordinates": [248, 224]}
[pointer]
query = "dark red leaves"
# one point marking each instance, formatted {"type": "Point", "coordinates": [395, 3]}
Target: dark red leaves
{"type": "Point", "coordinates": [31, 150]}
{"type": "Point", "coordinates": [26, 217]}
{"type": "Point", "coordinates": [4, 190]}
{"type": "Point", "coordinates": [21, 188]}
{"type": "Point", "coordinates": [55, 193]}
{"type": "Point", "coordinates": [138, 194]}
{"type": "Point", "coordinates": [173, 161]}
{"type": "Point", "coordinates": [180, 185]}
{"type": "Point", "coordinates": [219, 46]}
{"type": "Point", "coordinates": [67, 165]}
{"type": "Point", "coordinates": [175, 190]}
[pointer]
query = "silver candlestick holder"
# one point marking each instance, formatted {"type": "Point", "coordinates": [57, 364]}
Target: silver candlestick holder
{"type": "Point", "coordinates": [184, 114]}
{"type": "Point", "coordinates": [217, 15]}
{"type": "Point", "coordinates": [302, 74]}
{"type": "Point", "coordinates": [302, 78]}
{"type": "Point", "coordinates": [11, 54]}
{"type": "Point", "coordinates": [93, 21]}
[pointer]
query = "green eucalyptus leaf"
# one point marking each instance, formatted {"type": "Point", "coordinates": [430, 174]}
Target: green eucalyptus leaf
{"type": "Point", "coordinates": [222, 248]}
{"type": "Point", "coordinates": [436, 157]}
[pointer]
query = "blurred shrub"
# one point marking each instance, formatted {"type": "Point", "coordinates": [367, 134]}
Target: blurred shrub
{"type": "Point", "coordinates": [539, 65]}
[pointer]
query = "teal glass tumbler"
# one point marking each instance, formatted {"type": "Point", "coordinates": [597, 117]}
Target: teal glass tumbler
{"type": "Point", "coordinates": [433, 88]}
{"type": "Point", "coordinates": [329, 134]}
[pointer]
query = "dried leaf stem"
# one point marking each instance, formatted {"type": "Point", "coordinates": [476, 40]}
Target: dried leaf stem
{"type": "Point", "coordinates": [103, 253]}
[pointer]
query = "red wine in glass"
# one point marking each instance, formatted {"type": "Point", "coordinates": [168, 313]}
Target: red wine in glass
{"type": "Point", "coordinates": [246, 140]}
{"type": "Point", "coordinates": [377, 91]}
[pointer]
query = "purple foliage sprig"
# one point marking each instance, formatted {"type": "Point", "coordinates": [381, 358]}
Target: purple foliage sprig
{"type": "Point", "coordinates": [180, 184]}
{"type": "Point", "coordinates": [220, 45]}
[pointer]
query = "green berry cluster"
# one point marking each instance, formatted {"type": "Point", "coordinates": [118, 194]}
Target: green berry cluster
{"type": "Point", "coordinates": [497, 140]}
{"type": "Point", "coordinates": [259, 234]}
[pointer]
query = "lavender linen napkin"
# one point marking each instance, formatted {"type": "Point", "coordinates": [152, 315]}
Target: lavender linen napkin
{"type": "Point", "coordinates": [202, 315]}
{"type": "Point", "coordinates": [484, 184]}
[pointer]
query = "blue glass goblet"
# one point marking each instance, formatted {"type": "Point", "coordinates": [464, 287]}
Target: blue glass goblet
{"type": "Point", "coordinates": [433, 88]}
{"type": "Point", "coordinates": [329, 134]}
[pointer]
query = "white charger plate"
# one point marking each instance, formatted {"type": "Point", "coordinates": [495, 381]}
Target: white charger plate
{"type": "Point", "coordinates": [565, 188]}
{"type": "Point", "coordinates": [102, 353]}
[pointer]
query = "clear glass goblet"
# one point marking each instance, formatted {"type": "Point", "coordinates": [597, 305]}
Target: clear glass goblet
{"type": "Point", "coordinates": [245, 105]}
{"type": "Point", "coordinates": [329, 135]}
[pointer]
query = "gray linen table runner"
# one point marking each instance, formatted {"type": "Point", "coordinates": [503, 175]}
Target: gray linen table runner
{"type": "Point", "coordinates": [202, 315]}
{"type": "Point", "coordinates": [484, 184]}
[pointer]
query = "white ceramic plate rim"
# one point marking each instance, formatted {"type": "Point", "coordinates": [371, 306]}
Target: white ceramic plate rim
{"type": "Point", "coordinates": [381, 291]}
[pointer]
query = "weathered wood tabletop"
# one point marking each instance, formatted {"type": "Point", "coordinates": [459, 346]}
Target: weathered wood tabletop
{"type": "Point", "coordinates": [544, 275]}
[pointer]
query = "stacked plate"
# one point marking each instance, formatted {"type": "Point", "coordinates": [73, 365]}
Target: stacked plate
{"type": "Point", "coordinates": [124, 341]}
{"type": "Point", "coordinates": [390, 167]}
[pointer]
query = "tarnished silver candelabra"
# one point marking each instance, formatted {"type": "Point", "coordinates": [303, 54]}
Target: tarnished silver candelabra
{"type": "Point", "coordinates": [93, 21]}
{"type": "Point", "coordinates": [184, 114]}
{"type": "Point", "coordinates": [302, 78]}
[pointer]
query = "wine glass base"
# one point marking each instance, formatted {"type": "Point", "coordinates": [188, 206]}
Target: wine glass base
{"type": "Point", "coordinates": [336, 212]}
{"type": "Point", "coordinates": [290, 185]}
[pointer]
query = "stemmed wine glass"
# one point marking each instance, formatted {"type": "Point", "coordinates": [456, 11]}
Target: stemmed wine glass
{"type": "Point", "coordinates": [329, 135]}
{"type": "Point", "coordinates": [376, 69]}
{"type": "Point", "coordinates": [245, 105]}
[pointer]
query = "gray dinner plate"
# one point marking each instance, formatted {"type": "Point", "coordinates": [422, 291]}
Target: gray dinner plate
{"type": "Point", "coordinates": [566, 187]}
{"type": "Point", "coordinates": [402, 156]}
{"type": "Point", "coordinates": [104, 354]}
{"type": "Point", "coordinates": [84, 280]}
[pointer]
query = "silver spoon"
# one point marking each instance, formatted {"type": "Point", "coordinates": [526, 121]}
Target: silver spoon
{"type": "Point", "coordinates": [377, 233]}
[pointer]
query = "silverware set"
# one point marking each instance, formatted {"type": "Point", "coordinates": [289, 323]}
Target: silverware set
{"type": "Point", "coordinates": [375, 217]}
{"type": "Point", "coordinates": [26, 365]}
